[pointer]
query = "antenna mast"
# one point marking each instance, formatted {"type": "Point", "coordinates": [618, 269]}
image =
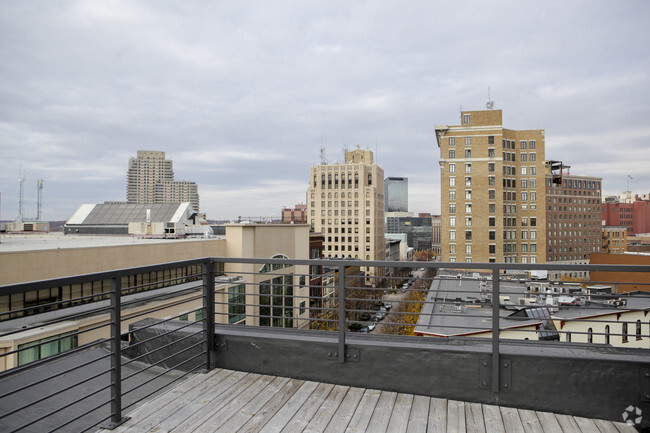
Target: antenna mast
{"type": "Point", "coordinates": [39, 197]}
{"type": "Point", "coordinates": [21, 194]}
{"type": "Point", "coordinates": [490, 102]}
{"type": "Point", "coordinates": [322, 156]}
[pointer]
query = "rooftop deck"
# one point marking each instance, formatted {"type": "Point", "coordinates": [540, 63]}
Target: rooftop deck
{"type": "Point", "coordinates": [232, 401]}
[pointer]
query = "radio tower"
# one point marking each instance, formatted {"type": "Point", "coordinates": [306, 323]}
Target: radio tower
{"type": "Point", "coordinates": [21, 194]}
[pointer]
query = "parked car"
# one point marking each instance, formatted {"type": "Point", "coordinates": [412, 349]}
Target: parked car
{"type": "Point", "coordinates": [371, 326]}
{"type": "Point", "coordinates": [380, 315]}
{"type": "Point", "coordinates": [388, 306]}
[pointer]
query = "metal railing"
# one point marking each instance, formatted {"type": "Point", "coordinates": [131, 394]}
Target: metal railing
{"type": "Point", "coordinates": [85, 357]}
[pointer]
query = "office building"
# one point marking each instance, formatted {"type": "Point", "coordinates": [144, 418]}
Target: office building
{"type": "Point", "coordinates": [298, 215]}
{"type": "Point", "coordinates": [492, 191]}
{"type": "Point", "coordinates": [628, 211]}
{"type": "Point", "coordinates": [418, 230]}
{"type": "Point", "coordinates": [614, 239]}
{"type": "Point", "coordinates": [150, 179]}
{"type": "Point", "coordinates": [573, 218]}
{"type": "Point", "coordinates": [397, 194]}
{"type": "Point", "coordinates": [346, 204]}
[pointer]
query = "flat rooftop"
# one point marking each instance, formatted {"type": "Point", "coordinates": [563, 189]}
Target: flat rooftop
{"type": "Point", "coordinates": [15, 242]}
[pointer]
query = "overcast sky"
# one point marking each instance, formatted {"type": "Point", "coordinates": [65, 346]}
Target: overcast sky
{"type": "Point", "coordinates": [242, 95]}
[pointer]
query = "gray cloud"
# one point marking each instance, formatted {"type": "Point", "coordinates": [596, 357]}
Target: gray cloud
{"type": "Point", "coordinates": [242, 95]}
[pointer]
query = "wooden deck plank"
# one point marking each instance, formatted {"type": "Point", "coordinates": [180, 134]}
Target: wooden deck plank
{"type": "Point", "coordinates": [345, 412]}
{"type": "Point", "coordinates": [511, 420]}
{"type": "Point", "coordinates": [585, 424]}
{"type": "Point", "coordinates": [363, 414]}
{"type": "Point", "coordinates": [605, 426]}
{"type": "Point", "coordinates": [568, 424]}
{"type": "Point", "coordinates": [306, 412]}
{"type": "Point", "coordinates": [493, 420]}
{"type": "Point", "coordinates": [474, 418]}
{"type": "Point", "coordinates": [624, 427]}
{"type": "Point", "coordinates": [419, 415]}
{"type": "Point", "coordinates": [268, 411]}
{"type": "Point", "coordinates": [399, 419]}
{"type": "Point", "coordinates": [244, 413]}
{"type": "Point", "coordinates": [456, 416]}
{"type": "Point", "coordinates": [289, 409]}
{"type": "Point", "coordinates": [168, 403]}
{"type": "Point", "coordinates": [549, 422]}
{"type": "Point", "coordinates": [383, 410]}
{"type": "Point", "coordinates": [220, 408]}
{"type": "Point", "coordinates": [530, 421]}
{"type": "Point", "coordinates": [328, 407]}
{"type": "Point", "coordinates": [437, 415]}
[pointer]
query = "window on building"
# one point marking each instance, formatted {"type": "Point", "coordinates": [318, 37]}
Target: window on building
{"type": "Point", "coordinates": [468, 249]}
{"type": "Point", "coordinates": [533, 171]}
{"type": "Point", "coordinates": [468, 235]}
{"type": "Point", "coordinates": [638, 329]}
{"type": "Point", "coordinates": [468, 221]}
{"type": "Point", "coordinates": [466, 119]}
{"type": "Point", "coordinates": [452, 207]}
{"type": "Point", "coordinates": [452, 194]}
{"type": "Point", "coordinates": [452, 221]}
{"type": "Point", "coordinates": [452, 141]}
{"type": "Point", "coordinates": [490, 153]}
{"type": "Point", "coordinates": [607, 334]}
{"type": "Point", "coordinates": [492, 221]}
{"type": "Point", "coordinates": [452, 235]}
{"type": "Point", "coordinates": [490, 139]}
{"type": "Point", "coordinates": [492, 249]}
{"type": "Point", "coordinates": [491, 180]}
{"type": "Point", "coordinates": [452, 168]}
{"type": "Point", "coordinates": [624, 332]}
{"type": "Point", "coordinates": [491, 194]}
{"type": "Point", "coordinates": [532, 144]}
{"type": "Point", "coordinates": [491, 167]}
{"type": "Point", "coordinates": [468, 208]}
{"type": "Point", "coordinates": [523, 157]}
{"type": "Point", "coordinates": [468, 194]}
{"type": "Point", "coordinates": [236, 303]}
{"type": "Point", "coordinates": [452, 181]}
{"type": "Point", "coordinates": [452, 153]}
{"type": "Point", "coordinates": [468, 181]}
{"type": "Point", "coordinates": [523, 144]}
{"type": "Point", "coordinates": [39, 349]}
{"type": "Point", "coordinates": [524, 171]}
{"type": "Point", "coordinates": [468, 168]}
{"type": "Point", "coordinates": [468, 153]}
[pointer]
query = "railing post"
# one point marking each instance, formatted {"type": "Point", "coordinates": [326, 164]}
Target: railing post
{"type": "Point", "coordinates": [116, 356]}
{"type": "Point", "coordinates": [341, 351]}
{"type": "Point", "coordinates": [208, 310]}
{"type": "Point", "coordinates": [495, 329]}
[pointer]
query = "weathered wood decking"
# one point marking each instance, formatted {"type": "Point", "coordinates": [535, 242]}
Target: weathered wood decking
{"type": "Point", "coordinates": [234, 401]}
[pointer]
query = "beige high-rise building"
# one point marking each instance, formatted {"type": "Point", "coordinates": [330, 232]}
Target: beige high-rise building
{"type": "Point", "coordinates": [150, 179]}
{"type": "Point", "coordinates": [346, 204]}
{"type": "Point", "coordinates": [492, 188]}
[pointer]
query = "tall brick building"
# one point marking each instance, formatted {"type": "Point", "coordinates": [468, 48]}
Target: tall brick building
{"type": "Point", "coordinates": [492, 188]}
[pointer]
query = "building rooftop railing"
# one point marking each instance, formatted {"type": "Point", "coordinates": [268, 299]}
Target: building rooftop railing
{"type": "Point", "coordinates": [80, 352]}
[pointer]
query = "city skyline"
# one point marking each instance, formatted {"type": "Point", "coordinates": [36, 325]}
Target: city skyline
{"type": "Point", "coordinates": [242, 99]}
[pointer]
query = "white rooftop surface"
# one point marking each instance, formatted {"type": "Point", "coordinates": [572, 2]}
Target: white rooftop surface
{"type": "Point", "coordinates": [56, 240]}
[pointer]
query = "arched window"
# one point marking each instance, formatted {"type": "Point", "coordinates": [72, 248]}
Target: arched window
{"type": "Point", "coordinates": [624, 332]}
{"type": "Point", "coordinates": [568, 337]}
{"type": "Point", "coordinates": [607, 334]}
{"type": "Point", "coordinates": [590, 335]}
{"type": "Point", "coordinates": [638, 329]}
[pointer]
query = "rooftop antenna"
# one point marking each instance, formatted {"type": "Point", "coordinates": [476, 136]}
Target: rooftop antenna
{"type": "Point", "coordinates": [21, 195]}
{"type": "Point", "coordinates": [322, 156]}
{"type": "Point", "coordinates": [628, 182]}
{"type": "Point", "coordinates": [490, 102]}
{"type": "Point", "coordinates": [39, 197]}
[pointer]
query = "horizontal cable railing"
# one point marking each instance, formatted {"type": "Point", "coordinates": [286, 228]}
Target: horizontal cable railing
{"type": "Point", "coordinates": [107, 341]}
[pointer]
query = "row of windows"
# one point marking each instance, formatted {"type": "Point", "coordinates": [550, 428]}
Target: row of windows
{"type": "Point", "coordinates": [507, 144]}
{"type": "Point", "coordinates": [326, 181]}
{"type": "Point", "coordinates": [625, 335]}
